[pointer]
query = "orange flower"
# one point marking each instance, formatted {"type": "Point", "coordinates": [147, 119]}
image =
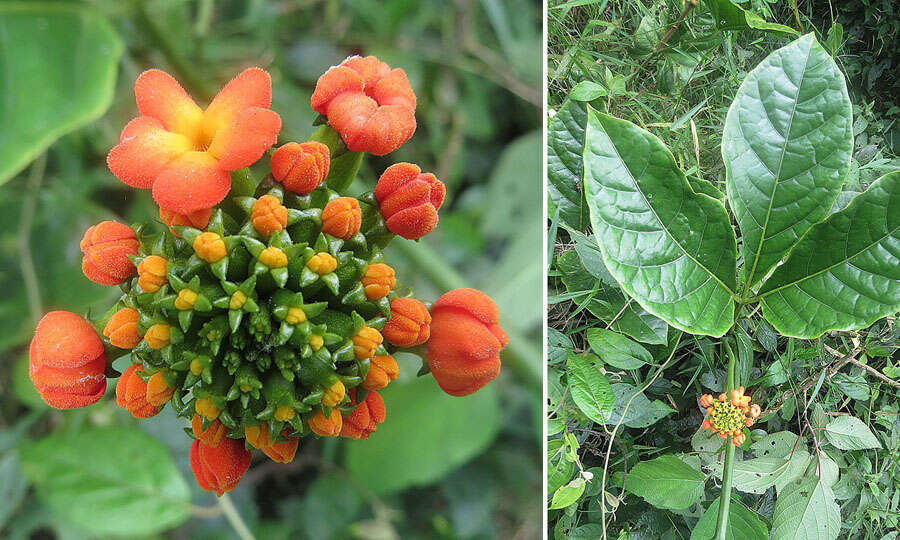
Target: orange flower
{"type": "Point", "coordinates": [464, 349]}
{"type": "Point", "coordinates": [755, 410]}
{"type": "Point", "coordinates": [329, 426]}
{"type": "Point", "coordinates": [334, 394]}
{"type": "Point", "coordinates": [131, 393]}
{"type": "Point", "coordinates": [365, 418]}
{"type": "Point", "coordinates": [706, 400]}
{"type": "Point", "coordinates": [185, 153]}
{"type": "Point", "coordinates": [728, 417]}
{"type": "Point", "coordinates": [268, 215]}
{"type": "Point", "coordinates": [341, 217]}
{"type": "Point", "coordinates": [210, 247]}
{"type": "Point", "coordinates": [152, 273]}
{"type": "Point", "coordinates": [158, 390]}
{"type": "Point", "coordinates": [738, 439]}
{"type": "Point", "coordinates": [366, 341]}
{"type": "Point", "coordinates": [409, 200]}
{"type": "Point", "coordinates": [212, 435]}
{"type": "Point", "coordinates": [409, 323]}
{"type": "Point", "coordinates": [158, 336]}
{"type": "Point", "coordinates": [106, 247]}
{"type": "Point", "coordinates": [370, 105]}
{"type": "Point", "coordinates": [198, 220]}
{"type": "Point", "coordinates": [258, 435]}
{"type": "Point", "coordinates": [378, 281]}
{"type": "Point", "coordinates": [301, 167]}
{"type": "Point", "coordinates": [382, 370]}
{"type": "Point", "coordinates": [122, 329]}
{"type": "Point", "coordinates": [219, 468]}
{"type": "Point", "coordinates": [282, 452]}
{"type": "Point", "coordinates": [67, 363]}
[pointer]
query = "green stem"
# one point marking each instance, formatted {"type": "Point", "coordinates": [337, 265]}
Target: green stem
{"type": "Point", "coordinates": [234, 519]}
{"type": "Point", "coordinates": [26, 263]}
{"type": "Point", "coordinates": [520, 354]}
{"type": "Point", "coordinates": [725, 497]}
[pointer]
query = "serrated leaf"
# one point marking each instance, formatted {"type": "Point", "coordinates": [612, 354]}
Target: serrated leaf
{"type": "Point", "coordinates": [590, 389]}
{"type": "Point", "coordinates": [616, 349]}
{"type": "Point", "coordinates": [786, 146]}
{"type": "Point", "coordinates": [666, 482]}
{"type": "Point", "coordinates": [670, 249]}
{"type": "Point", "coordinates": [641, 412]}
{"type": "Point", "coordinates": [845, 273]}
{"type": "Point", "coordinates": [743, 524]}
{"type": "Point", "coordinates": [850, 433]}
{"type": "Point", "coordinates": [759, 474]}
{"type": "Point", "coordinates": [806, 510]}
{"type": "Point", "coordinates": [565, 170]}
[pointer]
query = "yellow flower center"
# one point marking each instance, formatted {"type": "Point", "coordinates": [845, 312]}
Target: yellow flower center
{"type": "Point", "coordinates": [210, 247]}
{"type": "Point", "coordinates": [273, 257]}
{"type": "Point", "coordinates": [284, 414]}
{"type": "Point", "coordinates": [207, 409]}
{"type": "Point", "coordinates": [322, 263]}
{"type": "Point", "coordinates": [185, 300]}
{"type": "Point", "coordinates": [237, 300]}
{"type": "Point", "coordinates": [158, 336]}
{"type": "Point", "coordinates": [316, 341]}
{"type": "Point", "coordinates": [295, 316]}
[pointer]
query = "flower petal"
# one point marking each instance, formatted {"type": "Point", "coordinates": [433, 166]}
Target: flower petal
{"type": "Point", "coordinates": [146, 148]}
{"type": "Point", "coordinates": [251, 133]}
{"type": "Point", "coordinates": [252, 88]}
{"type": "Point", "coordinates": [159, 95]}
{"type": "Point", "coordinates": [394, 89]}
{"type": "Point", "coordinates": [193, 182]}
{"type": "Point", "coordinates": [335, 81]}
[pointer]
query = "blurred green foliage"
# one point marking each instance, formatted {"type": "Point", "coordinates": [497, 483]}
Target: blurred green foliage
{"type": "Point", "coordinates": [440, 467]}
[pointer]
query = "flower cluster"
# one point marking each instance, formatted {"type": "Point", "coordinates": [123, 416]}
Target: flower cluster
{"type": "Point", "coordinates": [263, 310]}
{"type": "Point", "coordinates": [729, 417]}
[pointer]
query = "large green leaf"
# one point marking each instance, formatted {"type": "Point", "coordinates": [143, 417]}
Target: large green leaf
{"type": "Point", "coordinates": [114, 481]}
{"type": "Point", "coordinates": [640, 412]}
{"type": "Point", "coordinates": [850, 433]}
{"type": "Point", "coordinates": [666, 482]}
{"type": "Point", "coordinates": [617, 350]}
{"type": "Point", "coordinates": [426, 435]}
{"type": "Point", "coordinates": [732, 17]}
{"type": "Point", "coordinates": [759, 474]}
{"type": "Point", "coordinates": [806, 510]}
{"type": "Point", "coordinates": [671, 249]}
{"type": "Point", "coordinates": [58, 72]}
{"type": "Point", "coordinates": [590, 388]}
{"type": "Point", "coordinates": [786, 146]}
{"type": "Point", "coordinates": [845, 273]}
{"type": "Point", "coordinates": [565, 170]}
{"type": "Point", "coordinates": [743, 524]}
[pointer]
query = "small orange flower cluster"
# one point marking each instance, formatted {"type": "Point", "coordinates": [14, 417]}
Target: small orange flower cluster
{"type": "Point", "coordinates": [729, 417]}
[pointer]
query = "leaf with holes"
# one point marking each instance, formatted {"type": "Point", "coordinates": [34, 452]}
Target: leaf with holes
{"type": "Point", "coordinates": [759, 474]}
{"type": "Point", "coordinates": [806, 510]}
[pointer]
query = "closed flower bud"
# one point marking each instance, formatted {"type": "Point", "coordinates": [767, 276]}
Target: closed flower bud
{"type": "Point", "coordinates": [409, 324]}
{"type": "Point", "coordinates": [131, 393]}
{"type": "Point", "coordinates": [207, 409]}
{"type": "Point", "coordinates": [219, 468]}
{"type": "Point", "coordinates": [158, 390]}
{"type": "Point", "coordinates": [158, 336]}
{"type": "Point", "coordinates": [268, 216]}
{"type": "Point", "coordinates": [755, 410]}
{"type": "Point", "coordinates": [322, 263]}
{"type": "Point", "coordinates": [739, 439]}
{"type": "Point", "coordinates": [152, 273]}
{"type": "Point", "coordinates": [106, 247]}
{"type": "Point", "coordinates": [122, 329]}
{"type": "Point", "coordinates": [67, 363]}
{"type": "Point", "coordinates": [282, 452]}
{"type": "Point", "coordinates": [198, 220]}
{"type": "Point", "coordinates": [258, 435]}
{"type": "Point", "coordinates": [341, 217]}
{"type": "Point", "coordinates": [329, 426]}
{"type": "Point", "coordinates": [273, 257]}
{"type": "Point", "coordinates": [363, 421]}
{"type": "Point", "coordinates": [706, 424]}
{"type": "Point", "coordinates": [378, 281]}
{"type": "Point", "coordinates": [185, 300]}
{"type": "Point", "coordinates": [382, 370]}
{"type": "Point", "coordinates": [301, 167]}
{"type": "Point", "coordinates": [212, 435]}
{"type": "Point", "coordinates": [366, 341]}
{"type": "Point", "coordinates": [210, 247]}
{"type": "Point", "coordinates": [333, 394]}
{"type": "Point", "coordinates": [284, 414]}
{"type": "Point", "coordinates": [464, 349]}
{"type": "Point", "coordinates": [706, 400]}
{"type": "Point", "coordinates": [409, 200]}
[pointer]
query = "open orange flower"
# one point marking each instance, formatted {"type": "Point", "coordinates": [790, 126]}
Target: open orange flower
{"type": "Point", "coordinates": [183, 153]}
{"type": "Point", "coordinates": [370, 105]}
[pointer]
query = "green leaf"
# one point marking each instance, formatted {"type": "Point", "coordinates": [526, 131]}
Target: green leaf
{"type": "Point", "coordinates": [568, 494]}
{"type": "Point", "coordinates": [732, 17]}
{"type": "Point", "coordinates": [590, 389]}
{"type": "Point", "coordinates": [565, 170]}
{"type": "Point", "coordinates": [13, 486]}
{"type": "Point", "coordinates": [666, 482]}
{"type": "Point", "coordinates": [671, 249]}
{"type": "Point", "coordinates": [786, 145]}
{"type": "Point", "coordinates": [410, 448]}
{"type": "Point", "coordinates": [617, 350]}
{"type": "Point", "coordinates": [113, 481]}
{"type": "Point", "coordinates": [743, 524]}
{"type": "Point", "coordinates": [641, 412]}
{"type": "Point", "coordinates": [587, 91]}
{"type": "Point", "coordinates": [759, 474]}
{"type": "Point", "coordinates": [58, 65]}
{"type": "Point", "coordinates": [845, 273]}
{"type": "Point", "coordinates": [806, 510]}
{"type": "Point", "coordinates": [850, 433]}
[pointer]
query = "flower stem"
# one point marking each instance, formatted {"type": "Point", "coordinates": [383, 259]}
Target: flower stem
{"type": "Point", "coordinates": [234, 519]}
{"type": "Point", "coordinates": [26, 263]}
{"type": "Point", "coordinates": [725, 497]}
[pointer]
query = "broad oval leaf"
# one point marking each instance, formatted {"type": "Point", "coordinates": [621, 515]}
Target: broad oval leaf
{"type": "Point", "coordinates": [634, 408]}
{"type": "Point", "coordinates": [568, 494]}
{"type": "Point", "coordinates": [759, 474]}
{"type": "Point", "coordinates": [743, 524]}
{"type": "Point", "coordinates": [565, 170]}
{"type": "Point", "coordinates": [732, 17]}
{"type": "Point", "coordinates": [666, 482]}
{"type": "Point", "coordinates": [113, 481]}
{"type": "Point", "coordinates": [850, 433]}
{"type": "Point", "coordinates": [616, 349]}
{"type": "Point", "coordinates": [590, 388]}
{"type": "Point", "coordinates": [845, 273]}
{"type": "Point", "coordinates": [671, 249]}
{"type": "Point", "coordinates": [787, 145]}
{"type": "Point", "coordinates": [58, 71]}
{"type": "Point", "coordinates": [806, 510]}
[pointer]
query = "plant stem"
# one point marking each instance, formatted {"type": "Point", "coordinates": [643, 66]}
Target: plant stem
{"type": "Point", "coordinates": [725, 497]}
{"type": "Point", "coordinates": [234, 519]}
{"type": "Point", "coordinates": [26, 263]}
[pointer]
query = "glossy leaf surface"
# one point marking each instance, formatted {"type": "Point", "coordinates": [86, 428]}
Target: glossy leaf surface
{"type": "Point", "coordinates": [565, 170]}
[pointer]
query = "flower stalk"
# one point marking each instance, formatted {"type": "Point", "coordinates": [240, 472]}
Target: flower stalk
{"type": "Point", "coordinates": [725, 497]}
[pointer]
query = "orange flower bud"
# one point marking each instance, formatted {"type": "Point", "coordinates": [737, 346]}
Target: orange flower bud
{"type": "Point", "coordinates": [258, 435]}
{"type": "Point", "coordinates": [409, 200]}
{"type": "Point", "coordinates": [334, 394]}
{"type": "Point", "coordinates": [706, 400]}
{"type": "Point", "coordinates": [366, 341]}
{"type": "Point", "coordinates": [706, 424]}
{"type": "Point", "coordinates": [210, 436]}
{"type": "Point", "coordinates": [365, 418]}
{"type": "Point", "coordinates": [755, 410]}
{"type": "Point", "coordinates": [326, 426]}
{"type": "Point", "coordinates": [207, 409]}
{"type": "Point", "coordinates": [158, 336]}
{"type": "Point", "coordinates": [378, 281]}
{"type": "Point", "coordinates": [322, 263]}
{"type": "Point", "coordinates": [198, 220]}
{"type": "Point", "coordinates": [722, 397]}
{"type": "Point", "coordinates": [210, 247]}
{"type": "Point", "coordinates": [465, 344]}
{"type": "Point", "coordinates": [268, 215]}
{"type": "Point", "coordinates": [219, 468]}
{"type": "Point", "coordinates": [723, 435]}
{"type": "Point", "coordinates": [106, 247]}
{"type": "Point", "coordinates": [748, 422]}
{"type": "Point", "coordinates": [131, 393]}
{"type": "Point", "coordinates": [158, 390]}
{"type": "Point", "coordinates": [409, 323]}
{"type": "Point", "coordinates": [152, 273]}
{"type": "Point", "coordinates": [382, 370]}
{"type": "Point", "coordinates": [67, 363]}
{"type": "Point", "coordinates": [341, 217]}
{"type": "Point", "coordinates": [185, 299]}
{"type": "Point", "coordinates": [273, 257]}
{"type": "Point", "coordinates": [282, 452]}
{"type": "Point", "coordinates": [122, 329]}
{"type": "Point", "coordinates": [301, 167]}
{"type": "Point", "coordinates": [738, 439]}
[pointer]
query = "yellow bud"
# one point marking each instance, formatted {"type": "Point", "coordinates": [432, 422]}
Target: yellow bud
{"type": "Point", "coordinates": [245, 388]}
{"type": "Point", "coordinates": [207, 409]}
{"type": "Point", "coordinates": [158, 336]}
{"type": "Point", "coordinates": [333, 394]}
{"type": "Point", "coordinates": [284, 414]}
{"type": "Point", "coordinates": [366, 341]}
{"type": "Point", "coordinates": [185, 300]}
{"type": "Point", "coordinates": [316, 341]}
{"type": "Point", "coordinates": [322, 263]}
{"type": "Point", "coordinates": [210, 247]}
{"type": "Point", "coordinates": [196, 366]}
{"type": "Point", "coordinates": [237, 300]}
{"type": "Point", "coordinates": [295, 316]}
{"type": "Point", "coordinates": [273, 257]}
